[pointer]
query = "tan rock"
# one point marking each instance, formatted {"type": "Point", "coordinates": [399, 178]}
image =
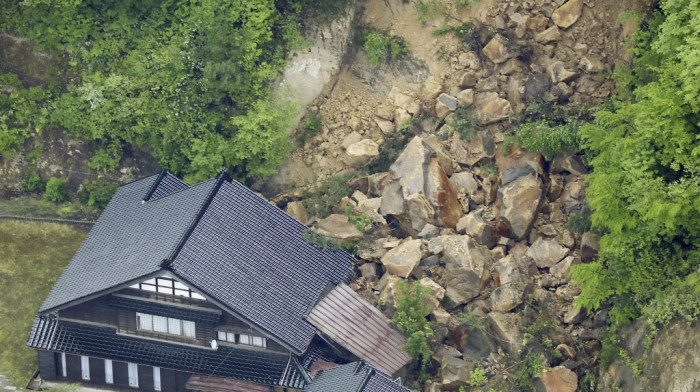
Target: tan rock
{"type": "Point", "coordinates": [403, 259]}
{"type": "Point", "coordinates": [361, 153]}
{"type": "Point", "coordinates": [387, 286]}
{"type": "Point", "coordinates": [476, 227]}
{"type": "Point", "coordinates": [466, 97]}
{"type": "Point", "coordinates": [497, 49]}
{"type": "Point", "coordinates": [507, 328]}
{"type": "Point", "coordinates": [297, 210]}
{"type": "Point", "coordinates": [386, 126]}
{"type": "Point", "coordinates": [468, 79]}
{"type": "Point", "coordinates": [495, 110]}
{"type": "Point", "coordinates": [567, 14]}
{"type": "Point", "coordinates": [558, 73]}
{"type": "Point", "coordinates": [550, 35]}
{"type": "Point", "coordinates": [370, 207]}
{"type": "Point", "coordinates": [469, 60]}
{"type": "Point", "coordinates": [464, 183]}
{"type": "Point", "coordinates": [432, 87]}
{"type": "Point", "coordinates": [437, 292]}
{"type": "Point", "coordinates": [547, 253]}
{"type": "Point", "coordinates": [590, 245]}
{"type": "Point", "coordinates": [519, 202]}
{"type": "Point", "coordinates": [591, 64]}
{"type": "Point", "coordinates": [537, 23]}
{"type": "Point", "coordinates": [338, 226]}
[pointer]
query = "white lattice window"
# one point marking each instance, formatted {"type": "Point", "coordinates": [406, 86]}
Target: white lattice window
{"type": "Point", "coordinates": [85, 367]}
{"type": "Point", "coordinates": [109, 372]}
{"type": "Point", "coordinates": [133, 370]}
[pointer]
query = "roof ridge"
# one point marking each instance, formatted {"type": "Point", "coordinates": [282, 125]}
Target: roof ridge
{"type": "Point", "coordinates": [223, 176]}
{"type": "Point", "coordinates": [154, 186]}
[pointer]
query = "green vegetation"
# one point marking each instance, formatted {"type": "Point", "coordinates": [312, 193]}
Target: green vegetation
{"type": "Point", "coordinates": [190, 80]}
{"type": "Point", "coordinates": [56, 190]}
{"type": "Point", "coordinates": [34, 255]}
{"type": "Point", "coordinates": [325, 195]}
{"type": "Point", "coordinates": [465, 122]}
{"type": "Point", "coordinates": [32, 182]}
{"type": "Point", "coordinates": [412, 308]}
{"type": "Point", "coordinates": [380, 46]}
{"type": "Point", "coordinates": [97, 194]}
{"type": "Point", "coordinates": [488, 170]}
{"type": "Point", "coordinates": [429, 9]}
{"type": "Point", "coordinates": [362, 221]}
{"type": "Point", "coordinates": [580, 222]}
{"type": "Point", "coordinates": [320, 241]}
{"type": "Point", "coordinates": [549, 139]}
{"type": "Point", "coordinates": [310, 127]}
{"type": "Point", "coordinates": [644, 185]}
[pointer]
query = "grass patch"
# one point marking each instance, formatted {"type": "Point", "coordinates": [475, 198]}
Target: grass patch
{"type": "Point", "coordinates": [33, 257]}
{"type": "Point", "coordinates": [38, 208]}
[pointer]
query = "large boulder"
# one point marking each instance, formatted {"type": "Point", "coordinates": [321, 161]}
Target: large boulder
{"type": "Point", "coordinates": [464, 183]}
{"type": "Point", "coordinates": [437, 292]}
{"type": "Point", "coordinates": [492, 108]}
{"type": "Point", "coordinates": [519, 202]}
{"type": "Point", "coordinates": [361, 153]}
{"type": "Point", "coordinates": [482, 146]}
{"type": "Point", "coordinates": [590, 245]}
{"type": "Point", "coordinates": [567, 14]}
{"type": "Point", "coordinates": [547, 253]}
{"type": "Point", "coordinates": [404, 258]}
{"type": "Point", "coordinates": [454, 372]}
{"type": "Point", "coordinates": [507, 329]}
{"type": "Point", "coordinates": [338, 226]}
{"type": "Point", "coordinates": [557, 379]}
{"type": "Point", "coordinates": [497, 49]}
{"type": "Point", "coordinates": [297, 211]}
{"type": "Point", "coordinates": [467, 265]}
{"type": "Point", "coordinates": [475, 226]}
{"type": "Point", "coordinates": [513, 283]}
{"type": "Point", "coordinates": [417, 188]}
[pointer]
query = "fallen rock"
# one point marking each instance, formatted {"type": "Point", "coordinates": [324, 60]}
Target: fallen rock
{"type": "Point", "coordinates": [338, 226]}
{"type": "Point", "coordinates": [547, 253]}
{"type": "Point", "coordinates": [404, 101]}
{"type": "Point", "coordinates": [482, 146]}
{"type": "Point", "coordinates": [558, 73]}
{"type": "Point", "coordinates": [590, 245]}
{"type": "Point", "coordinates": [454, 372]}
{"type": "Point", "coordinates": [567, 163]}
{"type": "Point", "coordinates": [574, 315]}
{"type": "Point", "coordinates": [361, 153]}
{"type": "Point", "coordinates": [466, 96]}
{"type": "Point", "coordinates": [537, 23]}
{"type": "Point", "coordinates": [437, 292]}
{"type": "Point", "coordinates": [552, 34]}
{"type": "Point", "coordinates": [297, 210]}
{"type": "Point", "coordinates": [370, 207]}
{"type": "Point", "coordinates": [404, 258]}
{"type": "Point", "coordinates": [432, 87]}
{"type": "Point", "coordinates": [519, 202]}
{"type": "Point", "coordinates": [495, 110]}
{"type": "Point", "coordinates": [507, 328]}
{"type": "Point", "coordinates": [466, 266]}
{"type": "Point", "coordinates": [497, 49]}
{"type": "Point", "coordinates": [387, 127]}
{"type": "Point", "coordinates": [561, 270]}
{"type": "Point", "coordinates": [591, 64]}
{"type": "Point", "coordinates": [464, 183]}
{"type": "Point", "coordinates": [441, 316]}
{"type": "Point", "coordinates": [418, 188]}
{"type": "Point", "coordinates": [352, 138]}
{"type": "Point", "coordinates": [467, 79]}
{"type": "Point", "coordinates": [368, 270]}
{"type": "Point", "coordinates": [469, 60]}
{"type": "Point", "coordinates": [557, 379]}
{"type": "Point", "coordinates": [567, 14]}
{"type": "Point", "coordinates": [476, 227]}
{"type": "Point", "coordinates": [386, 286]}
{"type": "Point", "coordinates": [445, 105]}
{"type": "Point", "coordinates": [514, 284]}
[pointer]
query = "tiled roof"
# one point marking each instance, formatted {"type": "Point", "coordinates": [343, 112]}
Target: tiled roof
{"type": "Point", "coordinates": [130, 239]}
{"type": "Point", "coordinates": [220, 237]}
{"type": "Point", "coordinates": [251, 255]}
{"type": "Point", "coordinates": [355, 324]}
{"type": "Point", "coordinates": [353, 377]}
{"type": "Point", "coordinates": [182, 312]}
{"type": "Point", "coordinates": [262, 367]}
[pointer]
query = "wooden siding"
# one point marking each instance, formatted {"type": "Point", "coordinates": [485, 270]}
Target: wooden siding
{"type": "Point", "coordinates": [47, 365]}
{"type": "Point", "coordinates": [352, 322]}
{"type": "Point", "coordinates": [96, 311]}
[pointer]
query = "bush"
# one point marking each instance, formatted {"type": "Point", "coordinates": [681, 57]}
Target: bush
{"type": "Point", "coordinates": [465, 122]}
{"type": "Point", "coordinates": [380, 46]}
{"type": "Point", "coordinates": [310, 127]}
{"type": "Point", "coordinates": [57, 190]}
{"type": "Point", "coordinates": [550, 140]}
{"type": "Point", "coordinates": [33, 183]}
{"type": "Point", "coordinates": [362, 221]}
{"type": "Point", "coordinates": [97, 194]}
{"type": "Point", "coordinates": [324, 196]}
{"type": "Point", "coordinates": [412, 308]}
{"type": "Point", "coordinates": [581, 221]}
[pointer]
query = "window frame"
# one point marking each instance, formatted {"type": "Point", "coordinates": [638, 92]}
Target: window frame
{"type": "Point", "coordinates": [185, 328]}
{"type": "Point", "coordinates": [170, 286]}
{"type": "Point", "coordinates": [64, 368]}
{"type": "Point", "coordinates": [133, 374]}
{"type": "Point", "coordinates": [157, 385]}
{"type": "Point", "coordinates": [85, 367]}
{"type": "Point", "coordinates": [109, 372]}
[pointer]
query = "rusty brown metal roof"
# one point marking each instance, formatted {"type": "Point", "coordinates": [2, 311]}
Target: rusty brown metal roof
{"type": "Point", "coordinates": [200, 382]}
{"type": "Point", "coordinates": [355, 324]}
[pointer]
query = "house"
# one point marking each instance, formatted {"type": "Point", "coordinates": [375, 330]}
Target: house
{"type": "Point", "coordinates": [210, 287]}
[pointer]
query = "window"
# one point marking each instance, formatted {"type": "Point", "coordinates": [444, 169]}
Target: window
{"type": "Point", "coordinates": [173, 326]}
{"type": "Point", "coordinates": [109, 373]}
{"type": "Point", "coordinates": [85, 367]}
{"type": "Point", "coordinates": [156, 378]}
{"type": "Point", "coordinates": [167, 286]}
{"type": "Point", "coordinates": [64, 371]}
{"type": "Point", "coordinates": [252, 340]}
{"type": "Point", "coordinates": [133, 374]}
{"type": "Point", "coordinates": [226, 336]}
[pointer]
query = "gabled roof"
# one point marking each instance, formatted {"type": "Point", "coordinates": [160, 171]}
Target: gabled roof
{"type": "Point", "coordinates": [355, 324]}
{"type": "Point", "coordinates": [354, 377]}
{"type": "Point", "coordinates": [262, 367]}
{"type": "Point", "coordinates": [221, 238]}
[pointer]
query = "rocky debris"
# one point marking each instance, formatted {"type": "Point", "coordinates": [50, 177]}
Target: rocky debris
{"type": "Point", "coordinates": [464, 183]}
{"type": "Point", "coordinates": [512, 284]}
{"type": "Point", "coordinates": [566, 351]}
{"type": "Point", "coordinates": [567, 14]}
{"type": "Point", "coordinates": [466, 97]}
{"type": "Point", "coordinates": [432, 87]}
{"type": "Point", "coordinates": [454, 372]}
{"type": "Point", "coordinates": [297, 210]}
{"type": "Point", "coordinates": [507, 328]}
{"type": "Point", "coordinates": [591, 64]}
{"type": "Point", "coordinates": [338, 226]}
{"type": "Point", "coordinates": [352, 138]}
{"type": "Point", "coordinates": [519, 202]}
{"type": "Point", "coordinates": [492, 108]}
{"type": "Point", "coordinates": [466, 266]}
{"type": "Point", "coordinates": [567, 163]}
{"type": "Point", "coordinates": [429, 231]}
{"type": "Point", "coordinates": [558, 73]}
{"type": "Point", "coordinates": [476, 227]}
{"type": "Point", "coordinates": [437, 292]}
{"type": "Point", "coordinates": [441, 316]}
{"type": "Point", "coordinates": [482, 146]}
{"type": "Point", "coordinates": [590, 245]}
{"type": "Point", "coordinates": [574, 315]}
{"type": "Point", "coordinates": [557, 379]}
{"type": "Point", "coordinates": [468, 79]}
{"type": "Point", "coordinates": [512, 174]}
{"type": "Point", "coordinates": [547, 253]}
{"type": "Point", "coordinates": [552, 34]}
{"type": "Point", "coordinates": [404, 101]}
{"type": "Point", "coordinates": [497, 49]}
{"type": "Point", "coordinates": [418, 188]}
{"type": "Point", "coordinates": [469, 60]}
{"type": "Point", "coordinates": [386, 287]}
{"type": "Point", "coordinates": [561, 270]}
{"type": "Point", "coordinates": [445, 105]}
{"type": "Point", "coordinates": [387, 127]}
{"type": "Point", "coordinates": [368, 270]}
{"type": "Point", "coordinates": [403, 259]}
{"type": "Point", "coordinates": [361, 153]}
{"type": "Point", "coordinates": [370, 207]}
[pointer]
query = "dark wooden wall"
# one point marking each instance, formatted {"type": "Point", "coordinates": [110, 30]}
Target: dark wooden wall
{"type": "Point", "coordinates": [48, 365]}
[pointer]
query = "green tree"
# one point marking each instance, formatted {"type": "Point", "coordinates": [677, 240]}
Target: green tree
{"type": "Point", "coordinates": [56, 190]}
{"type": "Point", "coordinates": [412, 308]}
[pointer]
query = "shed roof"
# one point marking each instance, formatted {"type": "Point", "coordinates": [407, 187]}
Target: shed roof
{"type": "Point", "coordinates": [351, 321]}
{"type": "Point", "coordinates": [219, 236]}
{"type": "Point", "coordinates": [353, 377]}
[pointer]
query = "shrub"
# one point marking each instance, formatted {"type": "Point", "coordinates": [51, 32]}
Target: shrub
{"type": "Point", "coordinates": [429, 9]}
{"type": "Point", "coordinates": [412, 308]}
{"type": "Point", "coordinates": [56, 190]}
{"type": "Point", "coordinates": [380, 46]}
{"type": "Point", "coordinates": [550, 140]}
{"type": "Point", "coordinates": [465, 122]}
{"type": "Point", "coordinates": [324, 196]}
{"type": "Point", "coordinates": [580, 222]}
{"type": "Point", "coordinates": [362, 221]}
{"type": "Point", "coordinates": [310, 127]}
{"type": "Point", "coordinates": [97, 194]}
{"type": "Point", "coordinates": [32, 182]}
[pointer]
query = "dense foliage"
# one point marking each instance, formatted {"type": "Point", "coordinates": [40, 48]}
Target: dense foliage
{"type": "Point", "coordinates": [57, 190]}
{"type": "Point", "coordinates": [412, 308]}
{"type": "Point", "coordinates": [192, 80]}
{"type": "Point", "coordinates": [645, 186]}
